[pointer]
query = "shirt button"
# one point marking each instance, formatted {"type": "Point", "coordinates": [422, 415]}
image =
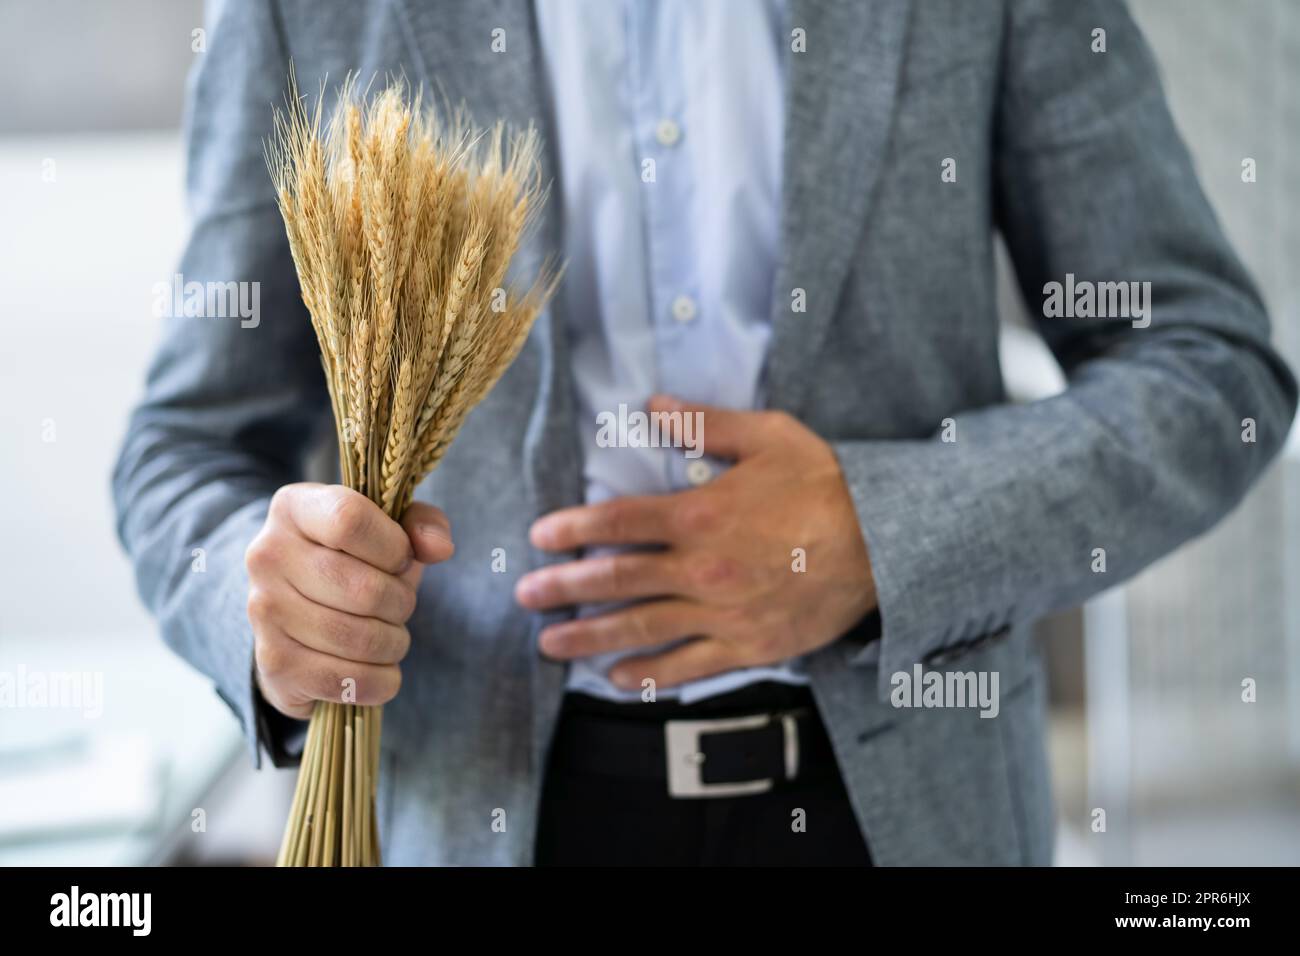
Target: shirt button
{"type": "Point", "coordinates": [684, 309]}
{"type": "Point", "coordinates": [668, 132]}
{"type": "Point", "coordinates": [698, 472]}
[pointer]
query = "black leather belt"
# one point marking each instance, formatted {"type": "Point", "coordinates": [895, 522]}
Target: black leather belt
{"type": "Point", "coordinates": [722, 755]}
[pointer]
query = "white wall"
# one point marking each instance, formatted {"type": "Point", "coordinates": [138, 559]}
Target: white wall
{"type": "Point", "coordinates": [81, 254]}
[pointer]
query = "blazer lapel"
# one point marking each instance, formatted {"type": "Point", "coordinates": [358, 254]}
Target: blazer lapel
{"type": "Point", "coordinates": [839, 110]}
{"type": "Point", "coordinates": [484, 53]}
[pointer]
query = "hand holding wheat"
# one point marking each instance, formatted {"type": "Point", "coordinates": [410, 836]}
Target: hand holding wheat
{"type": "Point", "coordinates": [402, 228]}
{"type": "Point", "coordinates": [332, 581]}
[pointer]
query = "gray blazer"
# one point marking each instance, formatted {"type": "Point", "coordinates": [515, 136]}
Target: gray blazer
{"type": "Point", "coordinates": [1071, 155]}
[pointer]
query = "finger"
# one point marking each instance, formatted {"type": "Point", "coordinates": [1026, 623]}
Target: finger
{"type": "Point", "coordinates": [348, 521]}
{"type": "Point", "coordinates": [412, 575]}
{"type": "Point", "coordinates": [644, 625]}
{"type": "Point", "coordinates": [693, 660]}
{"type": "Point", "coordinates": [345, 583]}
{"type": "Point", "coordinates": [619, 577]}
{"type": "Point", "coordinates": [721, 432]}
{"type": "Point", "coordinates": [639, 520]}
{"type": "Point", "coordinates": [296, 708]}
{"type": "Point", "coordinates": [273, 691]}
{"type": "Point", "coordinates": [298, 674]}
{"type": "Point", "coordinates": [429, 531]}
{"type": "Point", "coordinates": [367, 640]}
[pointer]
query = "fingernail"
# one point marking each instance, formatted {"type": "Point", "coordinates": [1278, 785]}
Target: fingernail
{"type": "Point", "coordinates": [433, 531]}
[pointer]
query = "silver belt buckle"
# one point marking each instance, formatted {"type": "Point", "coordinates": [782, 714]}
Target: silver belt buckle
{"type": "Point", "coordinates": [685, 758]}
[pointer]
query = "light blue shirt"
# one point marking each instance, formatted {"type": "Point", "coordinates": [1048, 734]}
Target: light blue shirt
{"type": "Point", "coordinates": [669, 122]}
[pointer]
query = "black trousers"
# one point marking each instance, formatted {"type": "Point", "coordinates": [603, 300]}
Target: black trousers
{"type": "Point", "coordinates": [591, 818]}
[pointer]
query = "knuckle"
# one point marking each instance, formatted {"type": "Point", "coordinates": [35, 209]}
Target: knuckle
{"type": "Point", "coordinates": [700, 516]}
{"type": "Point", "coordinates": [641, 628]}
{"type": "Point", "coordinates": [778, 420]}
{"type": "Point", "coordinates": [349, 518]}
{"type": "Point", "coordinates": [259, 556]}
{"type": "Point", "coordinates": [380, 643]}
{"type": "Point", "coordinates": [272, 658]}
{"type": "Point", "coordinates": [615, 520]}
{"type": "Point", "coordinates": [713, 572]}
{"type": "Point", "coordinates": [368, 642]}
{"type": "Point", "coordinates": [338, 629]}
{"type": "Point", "coordinates": [260, 604]}
{"type": "Point", "coordinates": [280, 500]}
{"type": "Point", "coordinates": [778, 426]}
{"type": "Point", "coordinates": [334, 571]}
{"type": "Point", "coordinates": [734, 619]}
{"type": "Point", "coordinates": [366, 591]}
{"type": "Point", "coordinates": [395, 597]}
{"type": "Point", "coordinates": [617, 574]}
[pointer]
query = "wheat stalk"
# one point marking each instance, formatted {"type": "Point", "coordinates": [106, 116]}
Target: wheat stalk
{"type": "Point", "coordinates": [402, 228]}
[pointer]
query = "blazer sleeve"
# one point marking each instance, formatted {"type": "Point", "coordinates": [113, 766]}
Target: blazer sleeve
{"type": "Point", "coordinates": [1144, 449]}
{"type": "Point", "coordinates": [231, 404]}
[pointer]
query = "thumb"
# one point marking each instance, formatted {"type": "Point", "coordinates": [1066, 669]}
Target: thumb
{"type": "Point", "coordinates": [724, 433]}
{"type": "Point", "coordinates": [429, 531]}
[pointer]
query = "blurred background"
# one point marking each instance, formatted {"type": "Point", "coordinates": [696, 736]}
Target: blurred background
{"type": "Point", "coordinates": [141, 763]}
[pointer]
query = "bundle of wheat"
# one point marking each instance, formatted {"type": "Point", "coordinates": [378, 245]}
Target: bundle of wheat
{"type": "Point", "coordinates": [402, 227]}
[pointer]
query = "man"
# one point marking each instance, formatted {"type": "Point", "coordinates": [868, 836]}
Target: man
{"type": "Point", "coordinates": [779, 215]}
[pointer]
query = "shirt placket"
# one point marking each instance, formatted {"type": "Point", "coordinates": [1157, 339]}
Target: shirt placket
{"type": "Point", "coordinates": [662, 142]}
